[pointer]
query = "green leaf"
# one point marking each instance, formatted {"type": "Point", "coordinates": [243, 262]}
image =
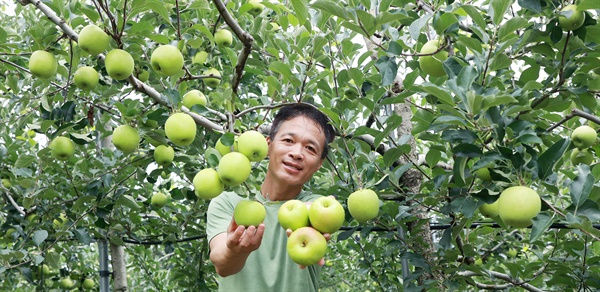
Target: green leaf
{"type": "Point", "coordinates": [24, 161]}
{"type": "Point", "coordinates": [588, 5]}
{"type": "Point", "coordinates": [301, 9]}
{"type": "Point", "coordinates": [415, 28]}
{"type": "Point", "coordinates": [445, 22]}
{"type": "Point", "coordinates": [497, 10]}
{"type": "Point", "coordinates": [388, 68]}
{"type": "Point", "coordinates": [491, 101]}
{"type": "Point", "coordinates": [475, 15]}
{"type": "Point", "coordinates": [509, 29]}
{"type": "Point", "coordinates": [432, 157]}
{"type": "Point", "coordinates": [346, 234]}
{"type": "Point", "coordinates": [331, 8]}
{"type": "Point", "coordinates": [467, 150]}
{"type": "Point", "coordinates": [127, 200]}
{"type": "Point", "coordinates": [83, 236]}
{"type": "Point", "coordinates": [533, 5]}
{"type": "Point", "coordinates": [582, 185]}
{"type": "Point", "coordinates": [501, 61]}
{"type": "Point", "coordinates": [541, 223]}
{"type": "Point", "coordinates": [440, 93]}
{"type": "Point", "coordinates": [39, 236]}
{"type": "Point", "coordinates": [547, 160]}
{"type": "Point", "coordinates": [285, 71]}
{"type": "Point", "coordinates": [392, 155]}
{"type": "Point", "coordinates": [367, 21]}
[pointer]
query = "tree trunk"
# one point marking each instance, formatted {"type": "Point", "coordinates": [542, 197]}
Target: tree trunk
{"type": "Point", "coordinates": [117, 259]}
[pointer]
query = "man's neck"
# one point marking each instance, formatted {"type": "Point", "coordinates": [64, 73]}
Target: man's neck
{"type": "Point", "coordinates": [275, 191]}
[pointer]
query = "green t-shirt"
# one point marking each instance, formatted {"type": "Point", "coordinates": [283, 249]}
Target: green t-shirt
{"type": "Point", "coordinates": [269, 268]}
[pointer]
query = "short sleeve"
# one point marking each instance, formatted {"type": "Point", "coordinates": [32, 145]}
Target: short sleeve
{"type": "Point", "coordinates": [220, 212]}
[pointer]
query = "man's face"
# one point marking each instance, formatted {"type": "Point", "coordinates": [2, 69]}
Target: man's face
{"type": "Point", "coordinates": [295, 151]}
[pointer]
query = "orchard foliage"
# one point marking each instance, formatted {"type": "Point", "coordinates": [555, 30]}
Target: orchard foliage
{"type": "Point", "coordinates": [515, 87]}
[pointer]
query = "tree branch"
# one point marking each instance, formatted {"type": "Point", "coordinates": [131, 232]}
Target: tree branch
{"type": "Point", "coordinates": [504, 277]}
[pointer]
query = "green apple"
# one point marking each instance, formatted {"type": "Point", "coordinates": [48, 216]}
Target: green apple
{"type": "Point", "coordinates": [518, 205]}
{"type": "Point", "coordinates": [489, 210]}
{"type": "Point", "coordinates": [88, 284]}
{"type": "Point", "coordinates": [274, 26]}
{"type": "Point", "coordinates": [254, 145]}
{"type": "Point", "coordinates": [62, 148]}
{"type": "Point", "coordinates": [478, 262]}
{"type": "Point", "coordinates": [44, 269]}
{"type": "Point", "coordinates": [583, 137]}
{"type": "Point", "coordinates": [293, 214]}
{"type": "Point", "coordinates": [31, 218]}
{"type": "Point", "coordinates": [163, 155]}
{"type": "Point", "coordinates": [483, 174]}
{"type": "Point", "coordinates": [119, 64]}
{"type": "Point", "coordinates": [42, 64]}
{"type": "Point", "coordinates": [582, 156]}
{"type": "Point", "coordinates": [180, 129]}
{"type": "Point", "coordinates": [257, 7]}
{"type": "Point", "coordinates": [6, 183]}
{"type": "Point", "coordinates": [167, 60]}
{"type": "Point", "coordinates": [86, 78]}
{"type": "Point", "coordinates": [306, 246]}
{"type": "Point", "coordinates": [570, 18]}
{"type": "Point", "coordinates": [223, 38]}
{"type": "Point", "coordinates": [93, 40]}
{"type": "Point", "coordinates": [200, 57]}
{"type": "Point", "coordinates": [234, 168]}
{"type": "Point", "coordinates": [223, 149]}
{"type": "Point", "coordinates": [363, 205]}
{"type": "Point", "coordinates": [159, 200]}
{"type": "Point", "coordinates": [249, 213]}
{"type": "Point", "coordinates": [432, 64]}
{"type": "Point", "coordinates": [126, 138]}
{"type": "Point", "coordinates": [67, 283]}
{"type": "Point", "coordinates": [60, 221]}
{"type": "Point", "coordinates": [207, 184]}
{"type": "Point", "coordinates": [212, 82]}
{"type": "Point", "coordinates": [512, 252]}
{"type": "Point", "coordinates": [142, 75]}
{"type": "Point", "coordinates": [326, 214]}
{"type": "Point", "coordinates": [194, 97]}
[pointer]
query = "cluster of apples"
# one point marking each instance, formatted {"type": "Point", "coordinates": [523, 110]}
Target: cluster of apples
{"type": "Point", "coordinates": [234, 166]}
{"type": "Point", "coordinates": [166, 60]}
{"type": "Point", "coordinates": [583, 137]}
{"type": "Point", "coordinates": [306, 244]}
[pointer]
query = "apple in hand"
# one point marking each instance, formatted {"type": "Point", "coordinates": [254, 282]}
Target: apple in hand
{"type": "Point", "coordinates": [163, 155]}
{"type": "Point", "coordinates": [207, 184]}
{"type": "Point", "coordinates": [293, 214]}
{"type": "Point", "coordinates": [167, 60]}
{"type": "Point", "coordinates": [224, 149]}
{"type": "Point", "coordinates": [306, 246]}
{"type": "Point", "coordinates": [42, 64]}
{"type": "Point", "coordinates": [582, 156]}
{"type": "Point", "coordinates": [93, 40]}
{"type": "Point", "coordinates": [159, 200]}
{"type": "Point", "coordinates": [223, 38]}
{"type": "Point", "coordinates": [489, 210]}
{"type": "Point", "coordinates": [432, 64]}
{"type": "Point", "coordinates": [518, 205]}
{"type": "Point", "coordinates": [62, 148]}
{"type": "Point", "coordinates": [119, 64]}
{"type": "Point", "coordinates": [194, 97]}
{"type": "Point", "coordinates": [88, 284]}
{"type": "Point", "coordinates": [200, 57]}
{"type": "Point", "coordinates": [249, 213]}
{"type": "Point", "coordinates": [326, 214]}
{"type": "Point", "coordinates": [570, 18]}
{"type": "Point", "coordinates": [126, 138]}
{"type": "Point", "coordinates": [212, 82]}
{"type": "Point", "coordinates": [363, 205]}
{"type": "Point", "coordinates": [86, 78]}
{"type": "Point", "coordinates": [254, 145]}
{"type": "Point", "coordinates": [180, 129]}
{"type": "Point", "coordinates": [584, 137]}
{"type": "Point", "coordinates": [257, 7]}
{"type": "Point", "coordinates": [234, 168]}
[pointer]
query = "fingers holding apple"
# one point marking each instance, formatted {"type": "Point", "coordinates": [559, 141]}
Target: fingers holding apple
{"type": "Point", "coordinates": [244, 240]}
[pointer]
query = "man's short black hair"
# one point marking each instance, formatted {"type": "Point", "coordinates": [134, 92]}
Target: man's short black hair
{"type": "Point", "coordinates": [289, 112]}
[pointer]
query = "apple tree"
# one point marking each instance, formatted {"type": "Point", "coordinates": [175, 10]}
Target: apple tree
{"type": "Point", "coordinates": [439, 107]}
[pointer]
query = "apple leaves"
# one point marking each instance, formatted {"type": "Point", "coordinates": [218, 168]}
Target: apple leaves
{"type": "Point", "coordinates": [550, 157]}
{"type": "Point", "coordinates": [582, 185]}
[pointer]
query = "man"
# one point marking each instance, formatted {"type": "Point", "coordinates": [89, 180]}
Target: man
{"type": "Point", "coordinates": [255, 258]}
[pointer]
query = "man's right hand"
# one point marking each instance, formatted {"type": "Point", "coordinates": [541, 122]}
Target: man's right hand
{"type": "Point", "coordinates": [244, 240]}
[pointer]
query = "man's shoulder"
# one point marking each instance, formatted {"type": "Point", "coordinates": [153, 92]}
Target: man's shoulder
{"type": "Point", "coordinates": [306, 196]}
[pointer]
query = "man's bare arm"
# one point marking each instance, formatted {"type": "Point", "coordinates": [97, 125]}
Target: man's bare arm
{"type": "Point", "coordinates": [229, 251]}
